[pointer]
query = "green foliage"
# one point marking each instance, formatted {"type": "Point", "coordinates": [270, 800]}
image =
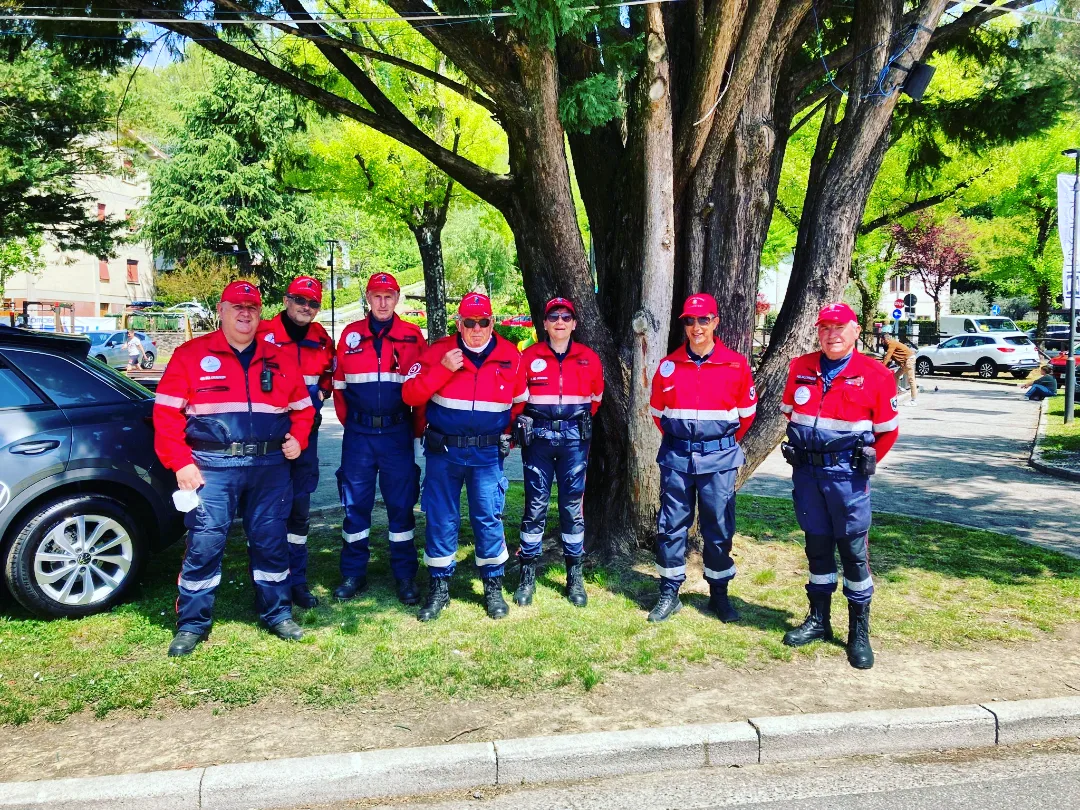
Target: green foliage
{"type": "Point", "coordinates": [591, 103]}
{"type": "Point", "coordinates": [480, 252]}
{"type": "Point", "coordinates": [201, 277]}
{"type": "Point", "coordinates": [973, 302]}
{"type": "Point", "coordinates": [20, 256]}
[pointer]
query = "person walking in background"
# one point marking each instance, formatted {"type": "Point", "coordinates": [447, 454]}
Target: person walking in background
{"type": "Point", "coordinates": [134, 350]}
{"type": "Point", "coordinates": [904, 355]}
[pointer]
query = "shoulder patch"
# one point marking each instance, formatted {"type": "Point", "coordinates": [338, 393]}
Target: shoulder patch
{"type": "Point", "coordinates": [753, 392]}
{"type": "Point", "coordinates": [414, 370]}
{"type": "Point", "coordinates": [667, 368]}
{"type": "Point", "coordinates": [209, 364]}
{"type": "Point", "coordinates": [352, 340]}
{"type": "Point", "coordinates": [895, 401]}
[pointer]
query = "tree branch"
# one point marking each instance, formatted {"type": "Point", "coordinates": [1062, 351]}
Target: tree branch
{"type": "Point", "coordinates": [919, 205]}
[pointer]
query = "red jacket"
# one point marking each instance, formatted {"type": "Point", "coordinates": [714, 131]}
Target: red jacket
{"type": "Point", "coordinates": [560, 389]}
{"type": "Point", "coordinates": [369, 382]}
{"type": "Point", "coordinates": [204, 395]}
{"type": "Point", "coordinates": [314, 354]}
{"type": "Point", "coordinates": [707, 402]}
{"type": "Point", "coordinates": [861, 402]}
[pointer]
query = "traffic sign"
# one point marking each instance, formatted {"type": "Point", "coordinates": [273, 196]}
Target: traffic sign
{"type": "Point", "coordinates": [910, 300]}
{"type": "Point", "coordinates": [897, 314]}
{"type": "Point", "coordinates": [899, 302]}
{"type": "Point", "coordinates": [995, 310]}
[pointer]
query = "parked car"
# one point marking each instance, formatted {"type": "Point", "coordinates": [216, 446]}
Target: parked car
{"type": "Point", "coordinates": [987, 354]}
{"type": "Point", "coordinates": [83, 498]}
{"type": "Point", "coordinates": [192, 308]}
{"type": "Point", "coordinates": [1057, 337]}
{"type": "Point", "coordinates": [141, 305]}
{"type": "Point", "coordinates": [110, 348]}
{"type": "Point", "coordinates": [952, 325]}
{"type": "Point", "coordinates": [1059, 367]}
{"type": "Point", "coordinates": [518, 320]}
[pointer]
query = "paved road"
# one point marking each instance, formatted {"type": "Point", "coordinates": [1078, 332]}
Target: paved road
{"type": "Point", "coordinates": [961, 457]}
{"type": "Point", "coordinates": [999, 780]}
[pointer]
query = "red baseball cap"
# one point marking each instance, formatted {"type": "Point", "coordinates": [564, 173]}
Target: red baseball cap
{"type": "Point", "coordinates": [242, 292]}
{"type": "Point", "coordinates": [559, 303]}
{"type": "Point", "coordinates": [836, 313]}
{"type": "Point", "coordinates": [699, 305]}
{"type": "Point", "coordinates": [306, 286]}
{"type": "Point", "coordinates": [475, 305]}
{"type": "Point", "coordinates": [383, 281]}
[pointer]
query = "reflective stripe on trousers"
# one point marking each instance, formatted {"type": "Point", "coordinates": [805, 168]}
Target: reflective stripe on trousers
{"type": "Point", "coordinates": [565, 465]}
{"type": "Point", "coordinates": [714, 494]}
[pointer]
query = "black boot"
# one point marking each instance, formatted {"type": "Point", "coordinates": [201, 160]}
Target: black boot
{"type": "Point", "coordinates": [493, 599]}
{"type": "Point", "coordinates": [406, 592]}
{"type": "Point", "coordinates": [816, 626]}
{"type": "Point", "coordinates": [438, 597]}
{"type": "Point", "coordinates": [184, 643]}
{"type": "Point", "coordinates": [350, 587]}
{"type": "Point", "coordinates": [667, 605]}
{"type": "Point", "coordinates": [575, 582]}
{"type": "Point", "coordinates": [719, 604]}
{"type": "Point", "coordinates": [287, 630]}
{"type": "Point", "coordinates": [526, 584]}
{"type": "Point", "coordinates": [303, 597]}
{"type": "Point", "coordinates": [859, 654]}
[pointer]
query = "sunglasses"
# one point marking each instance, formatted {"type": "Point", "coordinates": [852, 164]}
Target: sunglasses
{"type": "Point", "coordinates": [555, 317]}
{"type": "Point", "coordinates": [700, 320]}
{"type": "Point", "coordinates": [300, 301]}
{"type": "Point", "coordinates": [472, 323]}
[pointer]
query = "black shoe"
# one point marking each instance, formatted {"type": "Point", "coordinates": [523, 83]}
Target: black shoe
{"type": "Point", "coordinates": [302, 597]}
{"type": "Point", "coordinates": [184, 643]}
{"type": "Point", "coordinates": [350, 587]}
{"type": "Point", "coordinates": [816, 626]}
{"type": "Point", "coordinates": [859, 654]}
{"type": "Point", "coordinates": [287, 630]}
{"type": "Point", "coordinates": [493, 599]}
{"type": "Point", "coordinates": [527, 584]}
{"type": "Point", "coordinates": [407, 593]}
{"type": "Point", "coordinates": [438, 597]}
{"type": "Point", "coordinates": [719, 603]}
{"type": "Point", "coordinates": [575, 582]}
{"type": "Point", "coordinates": [668, 604]}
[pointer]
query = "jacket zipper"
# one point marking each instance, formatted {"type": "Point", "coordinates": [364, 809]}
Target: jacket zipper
{"type": "Point", "coordinates": [247, 392]}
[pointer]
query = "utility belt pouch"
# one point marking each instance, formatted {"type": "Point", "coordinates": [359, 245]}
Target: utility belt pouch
{"type": "Point", "coordinates": [864, 460]}
{"type": "Point", "coordinates": [504, 445]}
{"type": "Point", "coordinates": [585, 426]}
{"type": "Point", "coordinates": [523, 430]}
{"type": "Point", "coordinates": [434, 442]}
{"type": "Point", "coordinates": [266, 378]}
{"type": "Point", "coordinates": [790, 453]}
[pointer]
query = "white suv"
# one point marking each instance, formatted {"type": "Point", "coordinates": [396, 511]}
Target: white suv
{"type": "Point", "coordinates": [986, 354]}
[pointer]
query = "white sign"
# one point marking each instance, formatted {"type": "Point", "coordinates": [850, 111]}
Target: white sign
{"type": "Point", "coordinates": [1066, 214]}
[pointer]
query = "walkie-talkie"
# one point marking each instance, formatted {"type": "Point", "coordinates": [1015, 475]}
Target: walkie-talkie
{"type": "Point", "coordinates": [266, 379]}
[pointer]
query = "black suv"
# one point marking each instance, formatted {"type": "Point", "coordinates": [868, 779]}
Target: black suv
{"type": "Point", "coordinates": [83, 498]}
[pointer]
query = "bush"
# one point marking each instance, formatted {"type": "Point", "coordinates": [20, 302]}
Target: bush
{"type": "Point", "coordinates": [419, 320]}
{"type": "Point", "coordinates": [972, 302]}
{"type": "Point", "coordinates": [516, 334]}
{"type": "Point", "coordinates": [1023, 326]}
{"type": "Point", "coordinates": [1015, 308]}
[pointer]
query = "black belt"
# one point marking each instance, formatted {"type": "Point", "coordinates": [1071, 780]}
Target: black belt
{"type": "Point", "coordinates": [812, 459]}
{"type": "Point", "coordinates": [491, 440]}
{"type": "Point", "coordinates": [711, 446]}
{"type": "Point", "coordinates": [236, 448]}
{"type": "Point", "coordinates": [366, 420]}
{"type": "Point", "coordinates": [556, 425]}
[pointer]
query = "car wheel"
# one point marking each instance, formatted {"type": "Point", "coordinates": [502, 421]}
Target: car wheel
{"type": "Point", "coordinates": [74, 556]}
{"type": "Point", "coordinates": [923, 367]}
{"type": "Point", "coordinates": [102, 359]}
{"type": "Point", "coordinates": [1020, 375]}
{"type": "Point", "coordinates": [987, 368]}
{"type": "Point", "coordinates": [147, 361]}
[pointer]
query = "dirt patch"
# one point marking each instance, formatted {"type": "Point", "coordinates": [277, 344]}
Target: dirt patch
{"type": "Point", "coordinates": [271, 729]}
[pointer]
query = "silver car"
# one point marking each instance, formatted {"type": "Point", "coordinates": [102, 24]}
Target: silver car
{"type": "Point", "coordinates": [110, 348]}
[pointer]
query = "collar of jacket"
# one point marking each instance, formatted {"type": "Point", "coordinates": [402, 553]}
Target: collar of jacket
{"type": "Point", "coordinates": [810, 364]}
{"type": "Point", "coordinates": [219, 345]}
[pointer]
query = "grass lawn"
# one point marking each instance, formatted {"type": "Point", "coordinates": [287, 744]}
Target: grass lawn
{"type": "Point", "coordinates": [1062, 442]}
{"type": "Point", "coordinates": [938, 585]}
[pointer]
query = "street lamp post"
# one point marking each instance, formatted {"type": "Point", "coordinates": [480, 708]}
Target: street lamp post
{"type": "Point", "coordinates": [332, 243]}
{"type": "Point", "coordinates": [1070, 361]}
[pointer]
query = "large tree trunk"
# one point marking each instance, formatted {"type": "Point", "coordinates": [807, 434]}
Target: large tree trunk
{"type": "Point", "coordinates": [429, 242]}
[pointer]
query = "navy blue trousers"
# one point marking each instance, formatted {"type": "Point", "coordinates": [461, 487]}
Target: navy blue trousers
{"type": "Point", "coordinates": [565, 465]}
{"type": "Point", "coordinates": [834, 513]}
{"type": "Point", "coordinates": [389, 457]}
{"type": "Point", "coordinates": [262, 496]}
{"type": "Point", "coordinates": [305, 477]}
{"type": "Point", "coordinates": [714, 494]}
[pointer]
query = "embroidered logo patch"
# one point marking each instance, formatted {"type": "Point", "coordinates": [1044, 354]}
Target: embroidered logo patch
{"type": "Point", "coordinates": [210, 364]}
{"type": "Point", "coordinates": [414, 370]}
{"type": "Point", "coordinates": [894, 402]}
{"type": "Point", "coordinates": [667, 368]}
{"type": "Point", "coordinates": [753, 392]}
{"type": "Point", "coordinates": [538, 365]}
{"type": "Point", "coordinates": [802, 395]}
{"type": "Point", "coordinates": [352, 340]}
{"type": "Point", "coordinates": [269, 337]}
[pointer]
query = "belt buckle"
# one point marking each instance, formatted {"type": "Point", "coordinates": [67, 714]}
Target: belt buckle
{"type": "Point", "coordinates": [377, 421]}
{"type": "Point", "coordinates": [249, 449]}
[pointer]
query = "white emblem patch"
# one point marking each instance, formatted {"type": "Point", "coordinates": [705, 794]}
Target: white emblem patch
{"type": "Point", "coordinates": [753, 392]}
{"type": "Point", "coordinates": [269, 337]}
{"type": "Point", "coordinates": [210, 364]}
{"type": "Point", "coordinates": [538, 365]}
{"type": "Point", "coordinates": [414, 370]}
{"type": "Point", "coordinates": [894, 402]}
{"type": "Point", "coordinates": [352, 340]}
{"type": "Point", "coordinates": [802, 395]}
{"type": "Point", "coordinates": [667, 368]}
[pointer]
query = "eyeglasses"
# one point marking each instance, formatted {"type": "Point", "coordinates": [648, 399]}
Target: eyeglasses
{"type": "Point", "coordinates": [700, 320]}
{"type": "Point", "coordinates": [555, 317]}
{"type": "Point", "coordinates": [472, 323]}
{"type": "Point", "coordinates": [300, 301]}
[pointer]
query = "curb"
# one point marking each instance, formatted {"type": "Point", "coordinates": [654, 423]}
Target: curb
{"type": "Point", "coordinates": [402, 772]}
{"type": "Point", "coordinates": [1036, 458]}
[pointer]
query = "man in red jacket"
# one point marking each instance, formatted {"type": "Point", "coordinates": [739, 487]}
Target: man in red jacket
{"type": "Point", "coordinates": [466, 385]}
{"type": "Point", "coordinates": [841, 407]}
{"type": "Point", "coordinates": [704, 400]}
{"type": "Point", "coordinates": [565, 383]}
{"type": "Point", "coordinates": [296, 330]}
{"type": "Point", "coordinates": [230, 410]}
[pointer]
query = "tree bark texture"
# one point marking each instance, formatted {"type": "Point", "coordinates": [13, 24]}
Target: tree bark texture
{"type": "Point", "coordinates": [429, 242]}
